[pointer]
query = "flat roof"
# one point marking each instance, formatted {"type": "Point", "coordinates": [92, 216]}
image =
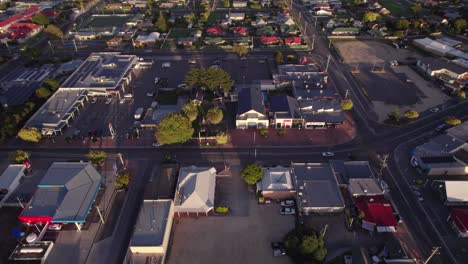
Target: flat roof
{"type": "Point", "coordinates": [346, 170]}
{"type": "Point", "coordinates": [102, 71]}
{"type": "Point", "coordinates": [456, 191]}
{"type": "Point", "coordinates": [366, 186]}
{"type": "Point", "coordinates": [318, 185]}
{"type": "Point", "coordinates": [10, 174]}
{"type": "Point", "coordinates": [32, 251]}
{"type": "Point", "coordinates": [459, 132]}
{"type": "Point", "coordinates": [65, 194]}
{"type": "Point", "coordinates": [57, 109]}
{"type": "Point", "coordinates": [151, 223]}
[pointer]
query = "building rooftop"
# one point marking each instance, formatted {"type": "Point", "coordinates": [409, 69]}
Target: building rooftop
{"type": "Point", "coordinates": [276, 179]}
{"type": "Point", "coordinates": [37, 251]}
{"type": "Point", "coordinates": [104, 70]}
{"type": "Point", "coordinates": [195, 189]}
{"type": "Point", "coordinates": [460, 219]}
{"type": "Point", "coordinates": [58, 108]}
{"type": "Point", "coordinates": [10, 174]}
{"type": "Point", "coordinates": [456, 191]}
{"type": "Point", "coordinates": [346, 170]}
{"type": "Point", "coordinates": [364, 186]}
{"type": "Point", "coordinates": [250, 99]}
{"type": "Point", "coordinates": [377, 210]}
{"type": "Point", "coordinates": [441, 63]}
{"type": "Point", "coordinates": [284, 104]}
{"type": "Point", "coordinates": [151, 223]}
{"type": "Point", "coordinates": [65, 193]}
{"type": "Point", "coordinates": [459, 132]}
{"type": "Point", "coordinates": [316, 185]}
{"type": "Point", "coordinates": [296, 69]}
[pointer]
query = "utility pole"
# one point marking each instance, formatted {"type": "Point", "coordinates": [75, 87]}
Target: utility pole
{"type": "Point", "coordinates": [384, 162]}
{"type": "Point", "coordinates": [324, 230]}
{"type": "Point", "coordinates": [329, 44]}
{"type": "Point", "coordinates": [315, 23]}
{"type": "Point", "coordinates": [74, 44]}
{"type": "Point", "coordinates": [313, 41]}
{"type": "Point", "coordinates": [121, 160]}
{"type": "Point", "coordinates": [346, 94]}
{"type": "Point", "coordinates": [52, 48]}
{"type": "Point", "coordinates": [328, 63]}
{"type": "Point", "coordinates": [434, 251]}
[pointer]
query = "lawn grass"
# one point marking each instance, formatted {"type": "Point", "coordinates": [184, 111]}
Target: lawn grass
{"type": "Point", "coordinates": [396, 8]}
{"type": "Point", "coordinates": [167, 98]}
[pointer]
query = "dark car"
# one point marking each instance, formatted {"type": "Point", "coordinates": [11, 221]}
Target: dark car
{"type": "Point", "coordinates": [277, 245]}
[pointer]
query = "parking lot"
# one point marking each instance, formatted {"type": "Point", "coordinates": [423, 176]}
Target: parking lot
{"type": "Point", "coordinates": [243, 236]}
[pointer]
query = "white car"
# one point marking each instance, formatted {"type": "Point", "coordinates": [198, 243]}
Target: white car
{"type": "Point", "coordinates": [287, 203]}
{"type": "Point", "coordinates": [182, 85]}
{"type": "Point", "coordinates": [328, 154]}
{"type": "Point", "coordinates": [156, 80]}
{"type": "Point", "coordinates": [122, 101]}
{"type": "Point", "coordinates": [166, 65]}
{"type": "Point", "coordinates": [156, 144]}
{"type": "Point", "coordinates": [55, 227]}
{"type": "Point", "coordinates": [435, 110]}
{"type": "Point", "coordinates": [192, 62]}
{"type": "Point", "coordinates": [129, 95]}
{"type": "Point", "coordinates": [287, 211]}
{"type": "Point", "coordinates": [150, 94]}
{"type": "Point", "coordinates": [94, 100]}
{"type": "Point", "coordinates": [108, 100]}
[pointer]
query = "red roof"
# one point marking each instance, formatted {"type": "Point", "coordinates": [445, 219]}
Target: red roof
{"type": "Point", "coordinates": [460, 219]}
{"type": "Point", "coordinates": [215, 30]}
{"type": "Point", "coordinates": [32, 10]}
{"type": "Point", "coordinates": [376, 210]}
{"type": "Point", "coordinates": [21, 30]}
{"type": "Point", "coordinates": [240, 31]}
{"type": "Point", "coordinates": [293, 41]}
{"type": "Point", "coordinates": [269, 40]}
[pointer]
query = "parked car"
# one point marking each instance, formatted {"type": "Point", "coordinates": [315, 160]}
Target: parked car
{"type": "Point", "coordinates": [156, 80]}
{"type": "Point", "coordinates": [182, 85]}
{"type": "Point", "coordinates": [55, 227]}
{"type": "Point", "coordinates": [394, 63]}
{"type": "Point", "coordinates": [94, 100]}
{"type": "Point", "coordinates": [435, 110]}
{"type": "Point", "coordinates": [287, 211]}
{"type": "Point", "coordinates": [279, 252]}
{"type": "Point", "coordinates": [108, 100]}
{"type": "Point", "coordinates": [165, 65]}
{"type": "Point", "coordinates": [192, 62]}
{"type": "Point", "coordinates": [122, 101]}
{"type": "Point", "coordinates": [328, 154]}
{"type": "Point", "coordinates": [288, 203]}
{"type": "Point", "coordinates": [150, 94]}
{"type": "Point", "coordinates": [441, 127]}
{"type": "Point", "coordinates": [129, 95]}
{"type": "Point", "coordinates": [419, 196]}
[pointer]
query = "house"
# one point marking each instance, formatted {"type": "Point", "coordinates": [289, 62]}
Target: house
{"type": "Point", "coordinates": [332, 24]}
{"type": "Point", "coordinates": [446, 154]}
{"type": "Point", "coordinates": [214, 41]}
{"type": "Point", "coordinates": [114, 43]}
{"type": "Point", "coordinates": [147, 40]}
{"type": "Point", "coordinates": [195, 191]}
{"type": "Point", "coordinates": [449, 71]}
{"type": "Point", "coordinates": [293, 41]}
{"type": "Point", "coordinates": [324, 12]}
{"type": "Point", "coordinates": [317, 189]}
{"type": "Point", "coordinates": [378, 213]}
{"type": "Point", "coordinates": [23, 31]}
{"type": "Point", "coordinates": [185, 42]}
{"type": "Point", "coordinates": [276, 183]}
{"type": "Point", "coordinates": [236, 16]}
{"type": "Point", "coordinates": [242, 31]}
{"type": "Point", "coordinates": [458, 219]}
{"type": "Point", "coordinates": [272, 40]}
{"type": "Point", "coordinates": [384, 11]}
{"type": "Point", "coordinates": [84, 35]}
{"type": "Point", "coordinates": [239, 4]}
{"type": "Point", "coordinates": [251, 110]}
{"type": "Point", "coordinates": [215, 31]}
{"type": "Point", "coordinates": [284, 112]}
{"type": "Point", "coordinates": [152, 231]}
{"type": "Point", "coordinates": [259, 22]}
{"type": "Point", "coordinates": [9, 180]}
{"type": "Point", "coordinates": [343, 31]}
{"type": "Point", "coordinates": [18, 18]}
{"type": "Point", "coordinates": [65, 195]}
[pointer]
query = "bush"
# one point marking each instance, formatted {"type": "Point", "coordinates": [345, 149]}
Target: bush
{"type": "Point", "coordinates": [97, 157]}
{"type": "Point", "coordinates": [346, 104]}
{"type": "Point", "coordinates": [305, 245]}
{"type": "Point", "coordinates": [18, 157]}
{"type": "Point", "coordinates": [122, 180]}
{"type": "Point", "coordinates": [221, 210]}
{"type": "Point", "coordinates": [281, 132]}
{"type": "Point", "coordinates": [222, 138]}
{"type": "Point", "coordinates": [411, 114]}
{"type": "Point", "coordinates": [30, 134]}
{"type": "Point", "coordinates": [263, 132]}
{"type": "Point", "coordinates": [252, 173]}
{"type": "Point", "coordinates": [453, 121]}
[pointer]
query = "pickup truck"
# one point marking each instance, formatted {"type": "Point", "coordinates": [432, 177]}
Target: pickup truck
{"type": "Point", "coordinates": [138, 113]}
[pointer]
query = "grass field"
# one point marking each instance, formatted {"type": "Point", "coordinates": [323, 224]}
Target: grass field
{"type": "Point", "coordinates": [107, 21]}
{"type": "Point", "coordinates": [396, 7]}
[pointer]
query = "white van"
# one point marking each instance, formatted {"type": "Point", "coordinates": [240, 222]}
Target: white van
{"type": "Point", "coordinates": [166, 65]}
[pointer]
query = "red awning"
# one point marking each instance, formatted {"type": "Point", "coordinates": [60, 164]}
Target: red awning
{"type": "Point", "coordinates": [460, 219]}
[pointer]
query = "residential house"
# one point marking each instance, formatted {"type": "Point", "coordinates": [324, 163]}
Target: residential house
{"type": "Point", "coordinates": [332, 24]}
{"type": "Point", "coordinates": [114, 43]}
{"type": "Point", "coordinates": [259, 22]}
{"type": "Point", "coordinates": [453, 73]}
{"type": "Point", "coordinates": [293, 41]}
{"type": "Point", "coordinates": [319, 113]}
{"type": "Point", "coordinates": [284, 112]}
{"type": "Point", "coordinates": [242, 31]}
{"type": "Point", "coordinates": [345, 31]}
{"type": "Point", "coordinates": [239, 4]}
{"type": "Point", "coordinates": [276, 183]}
{"type": "Point", "coordinates": [84, 35]}
{"type": "Point", "coordinates": [23, 31]}
{"type": "Point", "coordinates": [317, 189]}
{"type": "Point", "coordinates": [236, 16]}
{"type": "Point", "coordinates": [272, 40]}
{"type": "Point", "coordinates": [384, 11]}
{"type": "Point", "coordinates": [195, 192]}
{"type": "Point", "coordinates": [251, 110]}
{"type": "Point", "coordinates": [147, 40]}
{"type": "Point", "coordinates": [215, 31]}
{"type": "Point", "coordinates": [185, 42]}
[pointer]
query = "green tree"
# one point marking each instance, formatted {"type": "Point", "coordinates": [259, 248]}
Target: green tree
{"type": "Point", "coordinates": [415, 8]}
{"type": "Point", "coordinates": [252, 173]}
{"type": "Point", "coordinates": [453, 121]}
{"type": "Point", "coordinates": [174, 128]}
{"type": "Point", "coordinates": [459, 25]}
{"type": "Point", "coordinates": [53, 32]}
{"type": "Point", "coordinates": [281, 132]}
{"type": "Point", "coordinates": [214, 115]}
{"type": "Point", "coordinates": [395, 115]}
{"type": "Point", "coordinates": [51, 84]}
{"type": "Point", "coordinates": [460, 94]}
{"type": "Point", "coordinates": [30, 134]}
{"type": "Point", "coordinates": [194, 76]}
{"type": "Point", "coordinates": [305, 244]}
{"type": "Point", "coordinates": [411, 114]}
{"type": "Point", "coordinates": [122, 180]}
{"type": "Point", "coordinates": [309, 244]}
{"type": "Point", "coordinates": [190, 110]}
{"type": "Point", "coordinates": [402, 24]}
{"type": "Point", "coordinates": [161, 23]}
{"type": "Point", "coordinates": [40, 19]}
{"type": "Point", "coordinates": [226, 4]}
{"type": "Point", "coordinates": [370, 17]}
{"type": "Point", "coordinates": [346, 104]}
{"type": "Point", "coordinates": [240, 50]}
{"type": "Point", "coordinates": [43, 92]}
{"type": "Point", "coordinates": [218, 78]}
{"type": "Point", "coordinates": [279, 58]}
{"type": "Point", "coordinates": [30, 53]}
{"type": "Point", "coordinates": [358, 2]}
{"type": "Point", "coordinates": [222, 138]}
{"type": "Point", "coordinates": [361, 215]}
{"type": "Point", "coordinates": [18, 156]}
{"type": "Point", "coordinates": [263, 132]}
{"type": "Point", "coordinates": [97, 157]}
